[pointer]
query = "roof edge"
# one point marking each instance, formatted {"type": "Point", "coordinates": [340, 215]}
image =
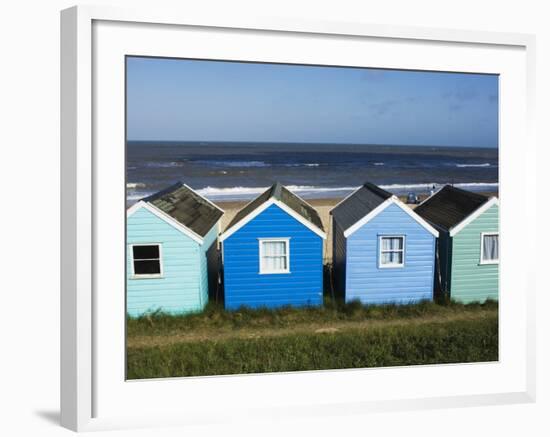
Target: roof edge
{"type": "Point", "coordinates": [393, 200]}
{"type": "Point", "coordinates": [261, 208]}
{"type": "Point", "coordinates": [165, 217]}
{"type": "Point", "coordinates": [470, 218]}
{"type": "Point", "coordinates": [367, 218]}
{"type": "Point", "coordinates": [203, 197]}
{"type": "Point", "coordinates": [345, 198]}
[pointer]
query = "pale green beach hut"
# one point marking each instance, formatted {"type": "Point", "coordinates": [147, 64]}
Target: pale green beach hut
{"type": "Point", "coordinates": [467, 256]}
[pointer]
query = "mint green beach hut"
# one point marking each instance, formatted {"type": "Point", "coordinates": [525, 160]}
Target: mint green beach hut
{"type": "Point", "coordinates": [467, 261]}
{"type": "Point", "coordinates": [172, 256]}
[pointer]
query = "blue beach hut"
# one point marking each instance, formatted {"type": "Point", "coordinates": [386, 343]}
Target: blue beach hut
{"type": "Point", "coordinates": [382, 251]}
{"type": "Point", "coordinates": [171, 240]}
{"type": "Point", "coordinates": [272, 253]}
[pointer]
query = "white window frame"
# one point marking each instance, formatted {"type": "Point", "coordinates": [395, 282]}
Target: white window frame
{"type": "Point", "coordinates": [146, 276]}
{"type": "Point", "coordinates": [490, 261]}
{"type": "Point", "coordinates": [261, 255]}
{"type": "Point", "coordinates": [390, 266]}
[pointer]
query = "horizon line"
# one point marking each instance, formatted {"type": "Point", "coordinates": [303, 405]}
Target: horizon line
{"type": "Point", "coordinates": [308, 143]}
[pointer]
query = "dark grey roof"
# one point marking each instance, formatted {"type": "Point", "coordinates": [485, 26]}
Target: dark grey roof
{"type": "Point", "coordinates": [449, 206]}
{"type": "Point", "coordinates": [285, 196]}
{"type": "Point", "coordinates": [359, 204]}
{"type": "Point", "coordinates": [186, 207]}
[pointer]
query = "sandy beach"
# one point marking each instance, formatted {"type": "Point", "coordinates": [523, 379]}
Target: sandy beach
{"type": "Point", "coordinates": [323, 206]}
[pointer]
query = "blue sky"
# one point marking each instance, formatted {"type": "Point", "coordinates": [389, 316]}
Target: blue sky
{"type": "Point", "coordinates": [187, 100]}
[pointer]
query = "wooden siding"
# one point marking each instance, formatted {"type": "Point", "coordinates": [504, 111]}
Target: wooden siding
{"type": "Point", "coordinates": [206, 265]}
{"type": "Point", "coordinates": [244, 286]}
{"type": "Point", "coordinates": [470, 280]}
{"type": "Point", "coordinates": [338, 258]}
{"type": "Point", "coordinates": [178, 290]}
{"type": "Point", "coordinates": [443, 263]}
{"type": "Point", "coordinates": [369, 283]}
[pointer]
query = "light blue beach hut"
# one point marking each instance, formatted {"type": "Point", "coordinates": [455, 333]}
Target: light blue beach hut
{"type": "Point", "coordinates": [382, 251]}
{"type": "Point", "coordinates": [171, 252]}
{"type": "Point", "coordinates": [273, 253]}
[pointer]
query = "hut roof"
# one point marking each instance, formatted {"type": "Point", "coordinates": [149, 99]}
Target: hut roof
{"type": "Point", "coordinates": [186, 207]}
{"type": "Point", "coordinates": [450, 206]}
{"type": "Point", "coordinates": [280, 193]}
{"type": "Point", "coordinates": [358, 204]}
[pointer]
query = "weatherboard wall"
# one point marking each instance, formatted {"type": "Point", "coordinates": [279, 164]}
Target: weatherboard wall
{"type": "Point", "coordinates": [442, 279]}
{"type": "Point", "coordinates": [243, 283]}
{"type": "Point", "coordinates": [371, 284]}
{"type": "Point", "coordinates": [472, 281]}
{"type": "Point", "coordinates": [208, 262]}
{"type": "Point", "coordinates": [339, 245]}
{"type": "Point", "coordinates": [179, 290]}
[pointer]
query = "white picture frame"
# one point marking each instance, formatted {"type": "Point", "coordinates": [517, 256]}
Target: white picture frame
{"type": "Point", "coordinates": [92, 389]}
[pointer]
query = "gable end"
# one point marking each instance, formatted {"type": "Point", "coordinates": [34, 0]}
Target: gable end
{"type": "Point", "coordinates": [165, 217]}
{"type": "Point", "coordinates": [230, 231]}
{"type": "Point", "coordinates": [486, 206]}
{"type": "Point", "coordinates": [391, 201]}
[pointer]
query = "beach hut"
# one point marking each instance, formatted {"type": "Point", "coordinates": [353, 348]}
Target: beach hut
{"type": "Point", "coordinates": [382, 251]}
{"type": "Point", "coordinates": [468, 245]}
{"type": "Point", "coordinates": [172, 255]}
{"type": "Point", "coordinates": [273, 253]}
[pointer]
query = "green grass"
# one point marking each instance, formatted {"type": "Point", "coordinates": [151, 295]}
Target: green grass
{"type": "Point", "coordinates": [219, 342]}
{"type": "Point", "coordinates": [214, 317]}
{"type": "Point", "coordinates": [436, 342]}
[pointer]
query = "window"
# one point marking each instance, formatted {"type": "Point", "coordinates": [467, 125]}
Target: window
{"type": "Point", "coordinates": [392, 251]}
{"type": "Point", "coordinates": [146, 260]}
{"type": "Point", "coordinates": [274, 255]}
{"type": "Point", "coordinates": [489, 248]}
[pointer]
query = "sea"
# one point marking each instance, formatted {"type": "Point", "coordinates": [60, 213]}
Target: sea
{"type": "Point", "coordinates": [230, 171]}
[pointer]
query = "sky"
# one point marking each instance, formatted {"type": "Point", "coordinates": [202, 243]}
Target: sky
{"type": "Point", "coordinates": [194, 100]}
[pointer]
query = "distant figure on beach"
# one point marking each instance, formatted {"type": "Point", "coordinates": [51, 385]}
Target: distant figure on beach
{"type": "Point", "coordinates": [412, 199]}
{"type": "Point", "coordinates": [432, 190]}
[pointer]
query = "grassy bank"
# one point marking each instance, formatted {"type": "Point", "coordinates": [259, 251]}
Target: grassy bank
{"type": "Point", "coordinates": [336, 336]}
{"type": "Point", "coordinates": [435, 342]}
{"type": "Point", "coordinates": [215, 319]}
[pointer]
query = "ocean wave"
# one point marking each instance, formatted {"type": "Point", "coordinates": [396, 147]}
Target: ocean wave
{"type": "Point", "coordinates": [485, 164]}
{"type": "Point", "coordinates": [379, 163]}
{"type": "Point", "coordinates": [253, 164]}
{"type": "Point", "coordinates": [134, 185]}
{"type": "Point", "coordinates": [232, 164]}
{"type": "Point", "coordinates": [306, 164]}
{"type": "Point", "coordinates": [464, 185]}
{"type": "Point", "coordinates": [311, 191]}
{"type": "Point", "coordinates": [315, 190]}
{"type": "Point", "coordinates": [159, 164]}
{"type": "Point", "coordinates": [130, 197]}
{"type": "Point", "coordinates": [248, 191]}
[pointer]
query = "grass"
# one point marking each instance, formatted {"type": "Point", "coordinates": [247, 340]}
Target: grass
{"type": "Point", "coordinates": [214, 317]}
{"type": "Point", "coordinates": [335, 336]}
{"type": "Point", "coordinates": [451, 342]}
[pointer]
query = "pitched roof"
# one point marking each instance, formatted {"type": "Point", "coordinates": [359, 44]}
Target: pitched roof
{"type": "Point", "coordinates": [358, 204]}
{"type": "Point", "coordinates": [283, 195]}
{"type": "Point", "coordinates": [450, 206]}
{"type": "Point", "coordinates": [186, 207]}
